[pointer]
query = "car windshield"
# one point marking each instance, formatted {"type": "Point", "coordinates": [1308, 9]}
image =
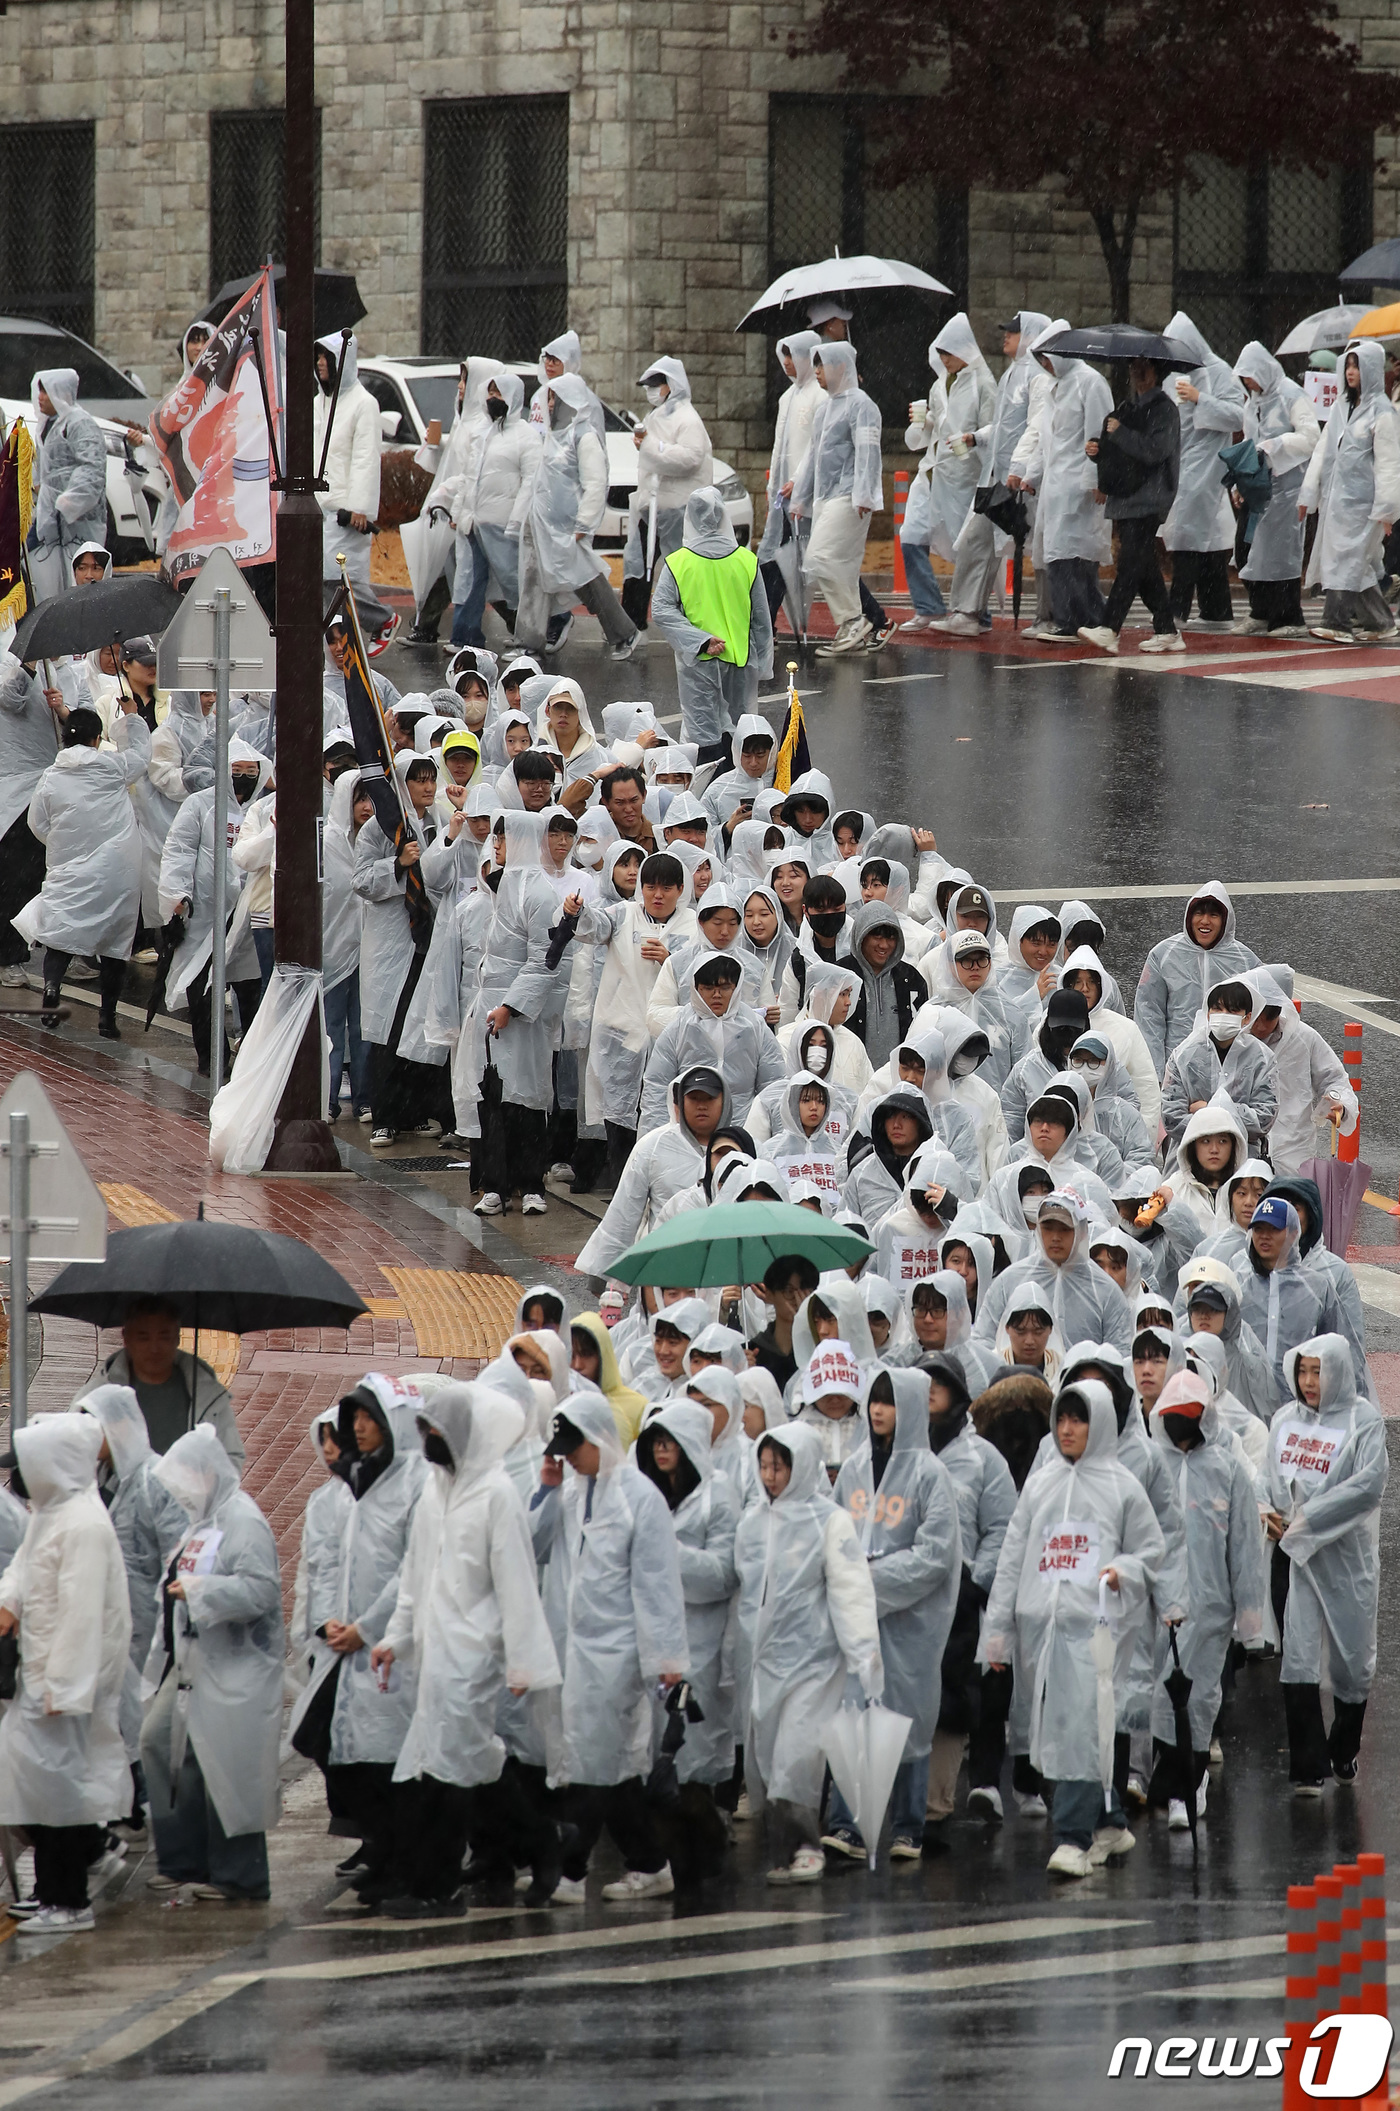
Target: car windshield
{"type": "Point", "coordinates": [435, 396]}
{"type": "Point", "coordinates": [23, 354]}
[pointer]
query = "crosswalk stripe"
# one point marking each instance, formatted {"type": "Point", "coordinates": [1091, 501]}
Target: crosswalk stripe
{"type": "Point", "coordinates": [1311, 677]}
{"type": "Point", "coordinates": [1101, 1963]}
{"type": "Point", "coordinates": [1174, 891]}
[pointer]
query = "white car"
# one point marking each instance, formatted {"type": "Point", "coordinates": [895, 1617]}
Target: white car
{"type": "Point", "coordinates": [410, 392]}
{"type": "Point", "coordinates": [135, 481]}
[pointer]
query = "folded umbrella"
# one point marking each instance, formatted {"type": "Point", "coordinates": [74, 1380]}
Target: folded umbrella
{"type": "Point", "coordinates": [788, 558]}
{"type": "Point", "coordinates": [1342, 1184]}
{"type": "Point", "coordinates": [1102, 1649]}
{"type": "Point", "coordinates": [864, 1747]}
{"type": "Point", "coordinates": [427, 542]}
{"type": "Point", "coordinates": [88, 617]}
{"type": "Point", "coordinates": [228, 1277]}
{"type": "Point", "coordinates": [1179, 1693]}
{"type": "Point", "coordinates": [167, 945]}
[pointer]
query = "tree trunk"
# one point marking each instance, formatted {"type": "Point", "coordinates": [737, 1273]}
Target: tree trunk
{"type": "Point", "coordinates": [1116, 243]}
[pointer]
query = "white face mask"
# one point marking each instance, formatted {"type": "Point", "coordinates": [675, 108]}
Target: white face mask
{"type": "Point", "coordinates": [654, 395]}
{"type": "Point", "coordinates": [1092, 1073]}
{"type": "Point", "coordinates": [1225, 1025]}
{"type": "Point", "coordinates": [818, 1059]}
{"type": "Point", "coordinates": [962, 1066]}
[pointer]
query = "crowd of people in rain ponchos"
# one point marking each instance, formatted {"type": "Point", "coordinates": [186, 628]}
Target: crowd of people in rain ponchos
{"type": "Point", "coordinates": [1099, 1367]}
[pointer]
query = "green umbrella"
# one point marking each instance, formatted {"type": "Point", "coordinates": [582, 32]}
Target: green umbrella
{"type": "Point", "coordinates": [736, 1242]}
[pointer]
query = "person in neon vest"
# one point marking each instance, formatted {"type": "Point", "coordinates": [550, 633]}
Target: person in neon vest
{"type": "Point", "coordinates": [711, 608]}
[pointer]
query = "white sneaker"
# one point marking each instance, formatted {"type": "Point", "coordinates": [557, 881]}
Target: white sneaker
{"type": "Point", "coordinates": [1201, 1796]}
{"type": "Point", "coordinates": [808, 1866]}
{"type": "Point", "coordinates": [523, 1879]}
{"type": "Point", "coordinates": [569, 1891]}
{"type": "Point", "coordinates": [1177, 1819]}
{"type": "Point", "coordinates": [985, 1803]}
{"type": "Point", "coordinates": [742, 1809]}
{"type": "Point", "coordinates": [625, 647]}
{"type": "Point", "coordinates": [1100, 636]}
{"type": "Point", "coordinates": [916, 623]}
{"type": "Point", "coordinates": [1136, 1791]}
{"type": "Point", "coordinates": [1029, 1806]}
{"type": "Point", "coordinates": [78, 971]}
{"type": "Point", "coordinates": [958, 625]}
{"type": "Point", "coordinates": [560, 1172]}
{"type": "Point", "coordinates": [101, 1872]}
{"type": "Point", "coordinates": [1334, 637]}
{"type": "Point", "coordinates": [163, 1885]}
{"type": "Point", "coordinates": [1249, 627]}
{"type": "Point", "coordinates": [1163, 641]}
{"type": "Point", "coordinates": [641, 1883]}
{"type": "Point", "coordinates": [1217, 1755]}
{"type": "Point", "coordinates": [1110, 1840]}
{"type": "Point", "coordinates": [490, 1206]}
{"type": "Point", "coordinates": [533, 1206]}
{"type": "Point", "coordinates": [57, 1920]}
{"type": "Point", "coordinates": [13, 979]}
{"type": "Point", "coordinates": [850, 637]}
{"type": "Point", "coordinates": [1068, 1860]}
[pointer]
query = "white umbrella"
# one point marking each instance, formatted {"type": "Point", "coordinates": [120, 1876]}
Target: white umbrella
{"type": "Point", "coordinates": [427, 543]}
{"type": "Point", "coordinates": [864, 1747]}
{"type": "Point", "coordinates": [1327, 331]}
{"type": "Point", "coordinates": [881, 285]}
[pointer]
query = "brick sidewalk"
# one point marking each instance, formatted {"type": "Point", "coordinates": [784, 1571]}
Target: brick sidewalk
{"type": "Point", "coordinates": [149, 1137]}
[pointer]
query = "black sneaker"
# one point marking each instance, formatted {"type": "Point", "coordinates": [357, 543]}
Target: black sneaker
{"type": "Point", "coordinates": [408, 1908]}
{"type": "Point", "coordinates": [844, 1839]}
{"type": "Point", "coordinates": [358, 1860]}
{"type": "Point", "coordinates": [1344, 1770]}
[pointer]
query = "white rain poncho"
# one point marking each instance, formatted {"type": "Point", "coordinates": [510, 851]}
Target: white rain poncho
{"type": "Point", "coordinates": [1361, 450]}
{"type": "Point", "coordinates": [71, 473]}
{"type": "Point", "coordinates": [1286, 1304]}
{"type": "Point", "coordinates": [468, 1615]}
{"type": "Point", "coordinates": [1021, 379]}
{"type": "Point", "coordinates": [28, 739]}
{"type": "Point", "coordinates": [660, 1166]}
{"type": "Point", "coordinates": [1227, 1577]}
{"type": "Point", "coordinates": [568, 496]}
{"type": "Point", "coordinates": [908, 1529]}
{"type": "Point", "coordinates": [738, 1044]}
{"type": "Point", "coordinates": [878, 1182]}
{"type": "Point", "coordinates": [620, 1044]}
{"type": "Point", "coordinates": [673, 461]}
{"type": "Point", "coordinates": [513, 973]}
{"type": "Point", "coordinates": [792, 433]}
{"type": "Point", "coordinates": [1310, 1078]}
{"type": "Point", "coordinates": [149, 1525]}
{"type": "Point", "coordinates": [187, 875]}
{"type": "Point", "coordinates": [316, 1591]}
{"type": "Point", "coordinates": [1207, 1353]}
{"type": "Point", "coordinates": [1123, 1037]}
{"type": "Point", "coordinates": [768, 1115]}
{"type": "Point", "coordinates": [1074, 1518]}
{"type": "Point", "coordinates": [1177, 974]}
{"type": "Point", "coordinates": [62, 1760]}
{"type": "Point", "coordinates": [957, 469]}
{"type": "Point", "coordinates": [953, 1126]}
{"type": "Point", "coordinates": [1202, 517]}
{"type": "Point", "coordinates": [705, 1523]}
{"type": "Point", "coordinates": [1216, 1118]}
{"type": "Point", "coordinates": [81, 811]}
{"type": "Point", "coordinates": [567, 349]}
{"type": "Point", "coordinates": [978, 1362]}
{"type": "Point", "coordinates": [1244, 1075]}
{"type": "Point", "coordinates": [342, 910]}
{"type": "Point", "coordinates": [1283, 425]}
{"type": "Point", "coordinates": [807, 1623]}
{"type": "Point", "coordinates": [1004, 1023]}
{"type": "Point", "coordinates": [616, 1546]}
{"type": "Point", "coordinates": [1087, 1304]}
{"type": "Point", "coordinates": [1068, 521]}
{"type": "Point", "coordinates": [982, 1483]}
{"type": "Point", "coordinates": [1075, 917]}
{"type": "Point", "coordinates": [1327, 1473]}
{"type": "Point", "coordinates": [352, 458]}
{"type": "Point", "coordinates": [843, 460]}
{"type": "Point", "coordinates": [798, 1154]}
{"type": "Point", "coordinates": [369, 1724]}
{"type": "Point", "coordinates": [229, 1642]}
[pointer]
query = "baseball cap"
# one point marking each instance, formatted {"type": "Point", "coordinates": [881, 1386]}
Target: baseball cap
{"type": "Point", "coordinates": [1184, 1394]}
{"type": "Point", "coordinates": [1273, 1211]}
{"type": "Point", "coordinates": [1210, 1295]}
{"type": "Point", "coordinates": [831, 1369]}
{"type": "Point", "coordinates": [565, 1436]}
{"type": "Point", "coordinates": [972, 901]}
{"type": "Point", "coordinates": [1014, 324]}
{"type": "Point", "coordinates": [702, 1079]}
{"type": "Point", "coordinates": [142, 649]}
{"type": "Point", "coordinates": [966, 942]}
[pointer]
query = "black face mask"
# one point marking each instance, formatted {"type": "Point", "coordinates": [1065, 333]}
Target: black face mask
{"type": "Point", "coordinates": [1183, 1429]}
{"type": "Point", "coordinates": [496, 407]}
{"type": "Point", "coordinates": [827, 923]}
{"type": "Point", "coordinates": [436, 1452]}
{"type": "Point", "coordinates": [244, 786]}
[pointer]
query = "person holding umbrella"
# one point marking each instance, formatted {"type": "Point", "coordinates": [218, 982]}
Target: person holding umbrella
{"type": "Point", "coordinates": [840, 486]}
{"type": "Point", "coordinates": [1353, 482]}
{"type": "Point", "coordinates": [792, 436]}
{"type": "Point", "coordinates": [1071, 537]}
{"type": "Point", "coordinates": [1139, 459]}
{"type": "Point", "coordinates": [174, 1390]}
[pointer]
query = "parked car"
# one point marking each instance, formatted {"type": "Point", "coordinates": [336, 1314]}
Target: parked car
{"type": "Point", "coordinates": [119, 403]}
{"type": "Point", "coordinates": [410, 392]}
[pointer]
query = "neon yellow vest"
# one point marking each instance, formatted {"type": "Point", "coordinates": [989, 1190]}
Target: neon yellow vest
{"type": "Point", "coordinates": [716, 594]}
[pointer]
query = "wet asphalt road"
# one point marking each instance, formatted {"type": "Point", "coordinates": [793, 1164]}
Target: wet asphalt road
{"type": "Point", "coordinates": [972, 1975]}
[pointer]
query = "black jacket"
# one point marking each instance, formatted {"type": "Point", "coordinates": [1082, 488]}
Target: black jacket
{"type": "Point", "coordinates": [1146, 452]}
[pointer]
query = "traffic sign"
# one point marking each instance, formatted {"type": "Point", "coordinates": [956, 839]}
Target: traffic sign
{"type": "Point", "coordinates": [67, 1217]}
{"type": "Point", "coordinates": [186, 654]}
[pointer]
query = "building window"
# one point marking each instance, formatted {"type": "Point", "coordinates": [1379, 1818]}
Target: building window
{"type": "Point", "coordinates": [827, 190]}
{"type": "Point", "coordinates": [1257, 249]}
{"type": "Point", "coordinates": [247, 192]}
{"type": "Point", "coordinates": [495, 225]}
{"type": "Point", "coordinates": [47, 203]}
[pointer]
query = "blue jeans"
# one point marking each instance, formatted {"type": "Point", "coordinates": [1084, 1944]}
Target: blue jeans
{"type": "Point", "coordinates": [264, 945]}
{"type": "Point", "coordinates": [469, 594]}
{"type": "Point", "coordinates": [924, 590]}
{"type": "Point", "coordinates": [1079, 1808]}
{"type": "Point", "coordinates": [908, 1800]}
{"type": "Point", "coordinates": [343, 1032]}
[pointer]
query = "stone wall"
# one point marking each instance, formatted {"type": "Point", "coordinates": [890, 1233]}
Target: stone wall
{"type": "Point", "coordinates": [668, 167]}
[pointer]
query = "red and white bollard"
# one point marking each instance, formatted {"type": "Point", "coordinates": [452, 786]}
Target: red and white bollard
{"type": "Point", "coordinates": [1349, 1147]}
{"type": "Point", "coordinates": [901, 500]}
{"type": "Point", "coordinates": [1300, 1989]}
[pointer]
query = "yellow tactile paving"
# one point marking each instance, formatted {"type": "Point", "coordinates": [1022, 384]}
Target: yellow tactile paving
{"type": "Point", "coordinates": [456, 1315]}
{"type": "Point", "coordinates": [131, 1207]}
{"type": "Point", "coordinates": [386, 1308]}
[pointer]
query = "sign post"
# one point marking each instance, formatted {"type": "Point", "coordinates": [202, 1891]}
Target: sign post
{"type": "Point", "coordinates": [55, 1212]}
{"type": "Point", "coordinates": [220, 627]}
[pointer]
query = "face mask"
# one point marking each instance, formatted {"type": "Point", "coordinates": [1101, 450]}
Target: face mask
{"type": "Point", "coordinates": [1183, 1429]}
{"type": "Point", "coordinates": [654, 395]}
{"type": "Point", "coordinates": [962, 1066]}
{"type": "Point", "coordinates": [1224, 1026]}
{"type": "Point", "coordinates": [244, 786]}
{"type": "Point", "coordinates": [435, 1450]}
{"type": "Point", "coordinates": [496, 408]}
{"type": "Point", "coordinates": [1092, 1071]}
{"type": "Point", "coordinates": [818, 1059]}
{"type": "Point", "coordinates": [827, 923]}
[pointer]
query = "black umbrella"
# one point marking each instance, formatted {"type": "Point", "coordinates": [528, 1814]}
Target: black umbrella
{"type": "Point", "coordinates": [1114, 341]}
{"type": "Point", "coordinates": [167, 944]}
{"type": "Point", "coordinates": [1179, 1693]}
{"type": "Point", "coordinates": [1377, 266]}
{"type": "Point", "coordinates": [337, 303]}
{"type": "Point", "coordinates": [1006, 509]}
{"type": "Point", "coordinates": [88, 617]}
{"type": "Point", "coordinates": [223, 1276]}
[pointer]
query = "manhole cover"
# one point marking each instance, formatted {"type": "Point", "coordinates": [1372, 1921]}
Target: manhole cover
{"type": "Point", "coordinates": [440, 1163]}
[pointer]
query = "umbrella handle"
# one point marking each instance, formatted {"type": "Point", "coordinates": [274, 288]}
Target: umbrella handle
{"type": "Point", "coordinates": [1171, 1637]}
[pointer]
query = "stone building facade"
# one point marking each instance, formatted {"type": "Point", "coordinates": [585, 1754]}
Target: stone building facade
{"type": "Point", "coordinates": [682, 152]}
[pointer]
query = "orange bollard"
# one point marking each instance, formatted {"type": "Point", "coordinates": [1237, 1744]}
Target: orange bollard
{"type": "Point", "coordinates": [1349, 1147]}
{"type": "Point", "coordinates": [901, 499]}
{"type": "Point", "coordinates": [1300, 1989]}
{"type": "Point", "coordinates": [1349, 1972]}
{"type": "Point", "coordinates": [1374, 1996]}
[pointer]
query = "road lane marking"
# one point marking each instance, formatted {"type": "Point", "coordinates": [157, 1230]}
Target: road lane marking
{"type": "Point", "coordinates": [1104, 1963]}
{"type": "Point", "coordinates": [893, 681]}
{"type": "Point", "coordinates": [1378, 1286]}
{"type": "Point", "coordinates": [1311, 677]}
{"type": "Point", "coordinates": [1173, 892]}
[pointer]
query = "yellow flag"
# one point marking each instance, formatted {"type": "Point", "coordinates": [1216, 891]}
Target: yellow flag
{"type": "Point", "coordinates": [794, 759]}
{"type": "Point", "coordinates": [16, 509]}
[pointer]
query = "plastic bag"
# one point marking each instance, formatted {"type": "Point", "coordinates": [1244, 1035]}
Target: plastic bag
{"type": "Point", "coordinates": [244, 1114]}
